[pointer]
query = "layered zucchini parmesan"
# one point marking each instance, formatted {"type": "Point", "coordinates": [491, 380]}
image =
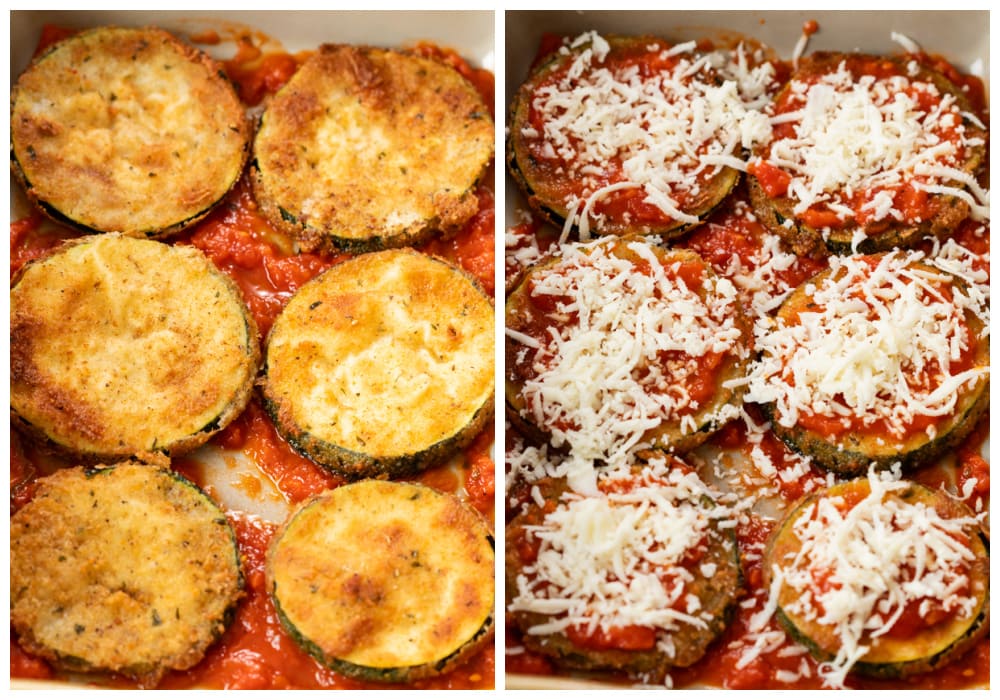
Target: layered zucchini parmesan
{"type": "Point", "coordinates": [122, 346]}
{"type": "Point", "coordinates": [881, 577]}
{"type": "Point", "coordinates": [879, 360]}
{"type": "Point", "coordinates": [382, 365]}
{"type": "Point", "coordinates": [621, 345]}
{"type": "Point", "coordinates": [747, 445]}
{"type": "Point", "coordinates": [868, 153]}
{"type": "Point", "coordinates": [639, 577]}
{"type": "Point", "coordinates": [368, 148]}
{"type": "Point", "coordinates": [126, 129]}
{"type": "Point", "coordinates": [628, 135]}
{"type": "Point", "coordinates": [127, 568]}
{"type": "Point", "coordinates": [384, 581]}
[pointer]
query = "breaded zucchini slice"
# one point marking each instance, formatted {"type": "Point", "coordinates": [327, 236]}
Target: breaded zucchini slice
{"type": "Point", "coordinates": [868, 153]}
{"type": "Point", "coordinates": [621, 344]}
{"type": "Point", "coordinates": [879, 360]}
{"type": "Point", "coordinates": [621, 135]}
{"type": "Point", "coordinates": [882, 578]}
{"type": "Point", "coordinates": [122, 346]}
{"type": "Point", "coordinates": [367, 148]}
{"type": "Point", "coordinates": [384, 581]}
{"type": "Point", "coordinates": [126, 568]}
{"type": "Point", "coordinates": [382, 365]}
{"type": "Point", "coordinates": [127, 129]}
{"type": "Point", "coordinates": [639, 578]}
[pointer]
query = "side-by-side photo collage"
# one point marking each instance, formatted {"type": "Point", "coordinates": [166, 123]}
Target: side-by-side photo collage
{"type": "Point", "coordinates": [499, 350]}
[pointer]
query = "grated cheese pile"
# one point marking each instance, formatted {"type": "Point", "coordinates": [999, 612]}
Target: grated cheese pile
{"type": "Point", "coordinates": [883, 554]}
{"type": "Point", "coordinates": [604, 560]}
{"type": "Point", "coordinates": [599, 383]}
{"type": "Point", "coordinates": [866, 135]}
{"type": "Point", "coordinates": [670, 131]}
{"type": "Point", "coordinates": [881, 345]}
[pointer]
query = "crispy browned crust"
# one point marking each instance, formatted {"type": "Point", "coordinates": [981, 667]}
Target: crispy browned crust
{"type": "Point", "coordinates": [855, 453]}
{"type": "Point", "coordinates": [383, 365]}
{"type": "Point", "coordinates": [123, 347]}
{"type": "Point", "coordinates": [384, 581]}
{"type": "Point", "coordinates": [100, 580]}
{"type": "Point", "coordinates": [543, 188]}
{"type": "Point", "coordinates": [519, 313]}
{"type": "Point", "coordinates": [368, 148]}
{"type": "Point", "coordinates": [718, 595]}
{"type": "Point", "coordinates": [889, 657]}
{"type": "Point", "coordinates": [127, 129]}
{"type": "Point", "coordinates": [777, 213]}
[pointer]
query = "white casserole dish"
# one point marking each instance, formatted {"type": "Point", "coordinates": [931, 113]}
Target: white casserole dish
{"type": "Point", "coordinates": [960, 37]}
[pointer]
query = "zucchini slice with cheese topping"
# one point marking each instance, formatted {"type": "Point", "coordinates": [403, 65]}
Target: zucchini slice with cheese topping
{"type": "Point", "coordinates": [868, 153]}
{"type": "Point", "coordinates": [382, 365]}
{"type": "Point", "coordinates": [384, 581]}
{"type": "Point", "coordinates": [639, 577]}
{"type": "Point", "coordinates": [621, 344]}
{"type": "Point", "coordinates": [128, 569]}
{"type": "Point", "coordinates": [625, 135]}
{"type": "Point", "coordinates": [122, 347]}
{"type": "Point", "coordinates": [880, 577]}
{"type": "Point", "coordinates": [128, 130]}
{"type": "Point", "coordinates": [368, 148]}
{"type": "Point", "coordinates": [878, 360]}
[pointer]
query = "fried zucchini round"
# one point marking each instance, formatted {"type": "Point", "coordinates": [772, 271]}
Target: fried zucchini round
{"type": "Point", "coordinates": [122, 347]}
{"type": "Point", "coordinates": [384, 581]}
{"type": "Point", "coordinates": [826, 185]}
{"type": "Point", "coordinates": [853, 374]}
{"type": "Point", "coordinates": [622, 136]}
{"type": "Point", "coordinates": [128, 569]}
{"type": "Point", "coordinates": [128, 130]}
{"type": "Point", "coordinates": [621, 343]}
{"type": "Point", "coordinates": [907, 597]}
{"type": "Point", "coordinates": [382, 365]}
{"type": "Point", "coordinates": [367, 148]}
{"type": "Point", "coordinates": [640, 578]}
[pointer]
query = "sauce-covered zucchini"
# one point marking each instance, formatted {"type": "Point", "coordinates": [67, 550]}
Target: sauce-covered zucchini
{"type": "Point", "coordinates": [880, 577]}
{"type": "Point", "coordinates": [868, 153]}
{"type": "Point", "coordinates": [881, 359]}
{"type": "Point", "coordinates": [624, 135]}
{"type": "Point", "coordinates": [622, 343]}
{"type": "Point", "coordinates": [640, 577]}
